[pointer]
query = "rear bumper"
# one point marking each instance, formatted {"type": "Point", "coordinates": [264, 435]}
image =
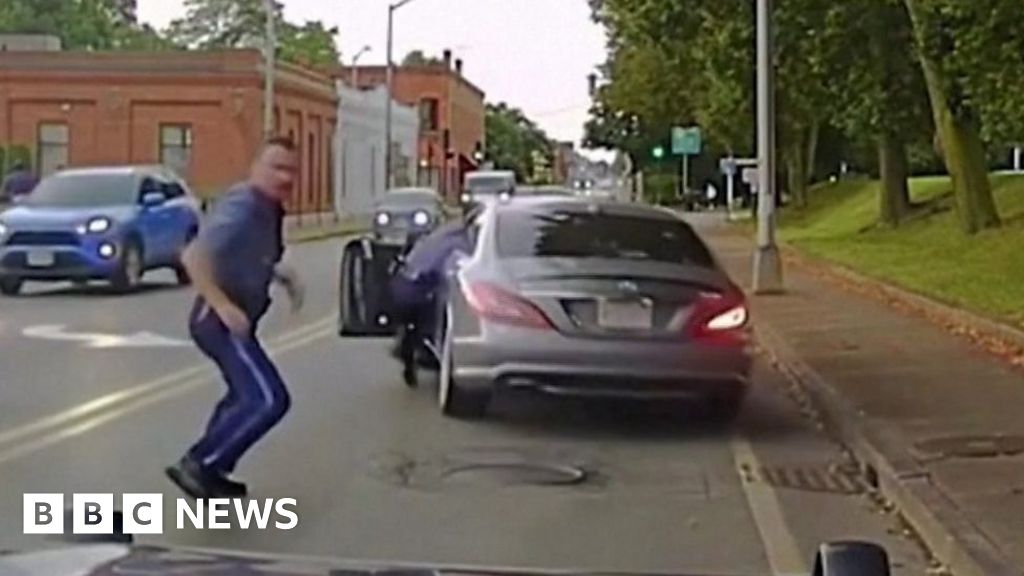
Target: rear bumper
{"type": "Point", "coordinates": [553, 363]}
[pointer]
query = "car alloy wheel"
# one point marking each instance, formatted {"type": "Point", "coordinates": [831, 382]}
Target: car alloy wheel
{"type": "Point", "coordinates": [130, 273]}
{"type": "Point", "coordinates": [457, 401]}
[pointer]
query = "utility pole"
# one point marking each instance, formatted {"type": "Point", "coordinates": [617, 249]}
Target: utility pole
{"type": "Point", "coordinates": [767, 262]}
{"type": "Point", "coordinates": [269, 63]}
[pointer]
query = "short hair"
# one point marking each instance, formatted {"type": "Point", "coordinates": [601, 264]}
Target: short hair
{"type": "Point", "coordinates": [280, 142]}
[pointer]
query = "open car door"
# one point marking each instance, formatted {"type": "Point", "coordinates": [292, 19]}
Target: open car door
{"type": "Point", "coordinates": [366, 308]}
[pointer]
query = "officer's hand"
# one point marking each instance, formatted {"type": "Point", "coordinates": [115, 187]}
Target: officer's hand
{"type": "Point", "coordinates": [296, 290]}
{"type": "Point", "coordinates": [235, 319]}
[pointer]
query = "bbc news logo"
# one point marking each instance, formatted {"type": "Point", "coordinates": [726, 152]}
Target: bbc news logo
{"type": "Point", "coordinates": [144, 514]}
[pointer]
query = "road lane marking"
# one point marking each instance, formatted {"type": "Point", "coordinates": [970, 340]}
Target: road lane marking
{"type": "Point", "coordinates": [780, 546]}
{"type": "Point", "coordinates": [101, 340]}
{"type": "Point", "coordinates": [136, 403]}
{"type": "Point", "coordinates": [108, 401]}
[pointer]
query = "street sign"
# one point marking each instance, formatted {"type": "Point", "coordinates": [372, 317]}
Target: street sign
{"type": "Point", "coordinates": [686, 141]}
{"type": "Point", "coordinates": [727, 166]}
{"type": "Point", "coordinates": [750, 176]}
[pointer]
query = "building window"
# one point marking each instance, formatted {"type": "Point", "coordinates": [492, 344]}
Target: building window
{"type": "Point", "coordinates": [176, 147]}
{"type": "Point", "coordinates": [53, 147]}
{"type": "Point", "coordinates": [429, 114]}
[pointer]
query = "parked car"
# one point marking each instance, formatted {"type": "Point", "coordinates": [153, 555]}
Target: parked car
{"type": "Point", "coordinates": [406, 213]}
{"type": "Point", "coordinates": [487, 185]}
{"type": "Point", "coordinates": [112, 223]}
{"type": "Point", "coordinates": [575, 298]}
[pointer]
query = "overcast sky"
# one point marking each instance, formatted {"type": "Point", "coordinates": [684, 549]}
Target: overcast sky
{"type": "Point", "coordinates": [534, 54]}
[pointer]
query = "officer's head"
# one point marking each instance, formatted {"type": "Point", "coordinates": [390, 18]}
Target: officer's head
{"type": "Point", "coordinates": [275, 168]}
{"type": "Point", "coordinates": [18, 165]}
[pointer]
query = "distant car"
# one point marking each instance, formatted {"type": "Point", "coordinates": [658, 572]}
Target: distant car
{"type": "Point", "coordinates": [549, 190]}
{"type": "Point", "coordinates": [111, 223]}
{"type": "Point", "coordinates": [404, 214]}
{"type": "Point", "coordinates": [575, 298]}
{"type": "Point", "coordinates": [487, 185]}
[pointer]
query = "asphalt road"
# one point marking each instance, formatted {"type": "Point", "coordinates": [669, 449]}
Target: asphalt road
{"type": "Point", "coordinates": [378, 473]}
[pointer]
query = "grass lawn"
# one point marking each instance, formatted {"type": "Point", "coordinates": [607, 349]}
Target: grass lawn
{"type": "Point", "coordinates": [929, 254]}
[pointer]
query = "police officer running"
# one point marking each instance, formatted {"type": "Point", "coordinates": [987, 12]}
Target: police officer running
{"type": "Point", "coordinates": [414, 285]}
{"type": "Point", "coordinates": [232, 264]}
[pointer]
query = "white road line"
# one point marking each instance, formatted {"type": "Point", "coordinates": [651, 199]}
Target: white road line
{"type": "Point", "coordinates": [172, 391]}
{"type": "Point", "coordinates": [108, 401]}
{"type": "Point", "coordinates": [779, 544]}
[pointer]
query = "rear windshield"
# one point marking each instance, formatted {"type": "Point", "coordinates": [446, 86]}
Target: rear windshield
{"type": "Point", "coordinates": [575, 234]}
{"type": "Point", "coordinates": [403, 199]}
{"type": "Point", "coordinates": [492, 184]}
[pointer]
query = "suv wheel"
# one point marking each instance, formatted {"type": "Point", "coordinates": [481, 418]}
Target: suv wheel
{"type": "Point", "coordinates": [10, 286]}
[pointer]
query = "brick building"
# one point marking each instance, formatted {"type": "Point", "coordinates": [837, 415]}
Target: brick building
{"type": "Point", "coordinates": [199, 112]}
{"type": "Point", "coordinates": [451, 111]}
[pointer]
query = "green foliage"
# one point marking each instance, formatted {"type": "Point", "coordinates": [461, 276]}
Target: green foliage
{"type": "Point", "coordinates": [80, 24]}
{"type": "Point", "coordinates": [219, 24]}
{"type": "Point", "coordinates": [515, 143]}
{"type": "Point", "coordinates": [418, 58]}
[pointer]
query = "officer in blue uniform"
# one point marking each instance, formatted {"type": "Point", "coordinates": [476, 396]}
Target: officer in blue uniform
{"type": "Point", "coordinates": [414, 285]}
{"type": "Point", "coordinates": [232, 264]}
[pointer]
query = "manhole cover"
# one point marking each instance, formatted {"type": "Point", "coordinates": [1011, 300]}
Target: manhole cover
{"type": "Point", "coordinates": [837, 480]}
{"type": "Point", "coordinates": [976, 446]}
{"type": "Point", "coordinates": [516, 474]}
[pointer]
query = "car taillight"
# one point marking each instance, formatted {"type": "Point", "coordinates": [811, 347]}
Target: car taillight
{"type": "Point", "coordinates": [720, 318]}
{"type": "Point", "coordinates": [491, 302]}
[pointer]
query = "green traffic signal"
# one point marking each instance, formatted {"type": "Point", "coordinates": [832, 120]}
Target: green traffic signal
{"type": "Point", "coordinates": [658, 152]}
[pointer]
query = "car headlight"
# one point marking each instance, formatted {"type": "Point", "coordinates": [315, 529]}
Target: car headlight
{"type": "Point", "coordinates": [3, 230]}
{"type": "Point", "coordinates": [383, 219]}
{"type": "Point", "coordinates": [504, 196]}
{"type": "Point", "coordinates": [466, 198]}
{"type": "Point", "coordinates": [95, 226]}
{"type": "Point", "coordinates": [421, 218]}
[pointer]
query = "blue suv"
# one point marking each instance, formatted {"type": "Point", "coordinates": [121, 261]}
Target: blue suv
{"type": "Point", "coordinates": [98, 224]}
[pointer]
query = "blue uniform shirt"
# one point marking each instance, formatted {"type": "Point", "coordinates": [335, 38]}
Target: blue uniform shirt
{"type": "Point", "coordinates": [19, 182]}
{"type": "Point", "coordinates": [243, 237]}
{"type": "Point", "coordinates": [426, 262]}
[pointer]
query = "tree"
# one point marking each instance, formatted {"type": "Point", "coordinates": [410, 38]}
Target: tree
{"type": "Point", "coordinates": [418, 58]}
{"type": "Point", "coordinates": [310, 44]}
{"type": "Point", "coordinates": [966, 55]}
{"type": "Point", "coordinates": [80, 24]}
{"type": "Point", "coordinates": [515, 143]}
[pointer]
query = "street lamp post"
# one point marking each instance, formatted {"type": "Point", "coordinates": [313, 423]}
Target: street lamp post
{"type": "Point", "coordinates": [767, 263]}
{"type": "Point", "coordinates": [269, 57]}
{"type": "Point", "coordinates": [355, 65]}
{"type": "Point", "coordinates": [392, 8]}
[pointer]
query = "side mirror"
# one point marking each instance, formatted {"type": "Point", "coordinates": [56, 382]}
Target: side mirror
{"type": "Point", "coordinates": [153, 199]}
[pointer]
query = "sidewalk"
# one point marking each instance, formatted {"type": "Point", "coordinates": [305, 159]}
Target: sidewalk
{"type": "Point", "coordinates": [937, 423]}
{"type": "Point", "coordinates": [311, 227]}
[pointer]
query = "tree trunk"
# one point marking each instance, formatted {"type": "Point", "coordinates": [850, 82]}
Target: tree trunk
{"type": "Point", "coordinates": [796, 174]}
{"type": "Point", "coordinates": [812, 150]}
{"type": "Point", "coordinates": [893, 192]}
{"type": "Point", "coordinates": [962, 148]}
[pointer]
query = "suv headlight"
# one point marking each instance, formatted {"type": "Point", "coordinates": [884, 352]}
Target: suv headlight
{"type": "Point", "coordinates": [383, 219]}
{"type": "Point", "coordinates": [3, 229]}
{"type": "Point", "coordinates": [421, 218]}
{"type": "Point", "coordinates": [466, 197]}
{"type": "Point", "coordinates": [95, 226]}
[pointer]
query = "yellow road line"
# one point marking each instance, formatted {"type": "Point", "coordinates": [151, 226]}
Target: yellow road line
{"type": "Point", "coordinates": [109, 401]}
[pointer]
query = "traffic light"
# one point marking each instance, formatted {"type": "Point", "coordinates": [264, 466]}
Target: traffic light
{"type": "Point", "coordinates": [658, 152]}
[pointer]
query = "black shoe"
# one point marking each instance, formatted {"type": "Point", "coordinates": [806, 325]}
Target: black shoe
{"type": "Point", "coordinates": [229, 488]}
{"type": "Point", "coordinates": [410, 376]}
{"type": "Point", "coordinates": [189, 477]}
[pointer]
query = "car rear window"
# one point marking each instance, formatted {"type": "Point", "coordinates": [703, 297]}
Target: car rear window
{"type": "Point", "coordinates": [567, 233]}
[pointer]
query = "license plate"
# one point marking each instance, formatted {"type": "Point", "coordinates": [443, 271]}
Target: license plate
{"type": "Point", "coordinates": [625, 314]}
{"type": "Point", "coordinates": [40, 258]}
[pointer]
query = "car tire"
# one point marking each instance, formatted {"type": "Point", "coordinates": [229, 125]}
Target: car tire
{"type": "Point", "coordinates": [457, 401]}
{"type": "Point", "coordinates": [180, 273]}
{"type": "Point", "coordinates": [131, 269]}
{"type": "Point", "coordinates": [10, 286]}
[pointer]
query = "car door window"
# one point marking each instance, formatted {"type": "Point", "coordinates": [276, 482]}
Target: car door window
{"type": "Point", "coordinates": [173, 189]}
{"type": "Point", "coordinates": [148, 185]}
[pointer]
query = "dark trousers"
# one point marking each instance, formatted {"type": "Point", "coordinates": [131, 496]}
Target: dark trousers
{"type": "Point", "coordinates": [256, 397]}
{"type": "Point", "coordinates": [412, 307]}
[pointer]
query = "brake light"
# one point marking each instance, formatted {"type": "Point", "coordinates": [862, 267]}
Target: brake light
{"type": "Point", "coordinates": [720, 317]}
{"type": "Point", "coordinates": [491, 302]}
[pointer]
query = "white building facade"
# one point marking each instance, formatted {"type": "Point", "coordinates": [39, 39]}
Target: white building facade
{"type": "Point", "coordinates": [360, 177]}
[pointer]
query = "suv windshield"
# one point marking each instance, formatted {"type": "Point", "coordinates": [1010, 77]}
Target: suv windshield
{"type": "Point", "coordinates": [574, 234]}
{"type": "Point", "coordinates": [84, 190]}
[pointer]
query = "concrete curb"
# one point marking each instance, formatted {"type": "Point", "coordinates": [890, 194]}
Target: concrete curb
{"type": "Point", "coordinates": [887, 462]}
{"type": "Point", "coordinates": [298, 236]}
{"type": "Point", "coordinates": [929, 306]}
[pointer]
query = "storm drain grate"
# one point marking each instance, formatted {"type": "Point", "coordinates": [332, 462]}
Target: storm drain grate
{"type": "Point", "coordinates": [829, 480]}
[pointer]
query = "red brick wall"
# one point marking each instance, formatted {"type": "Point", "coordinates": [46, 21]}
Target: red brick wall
{"type": "Point", "coordinates": [114, 115]}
